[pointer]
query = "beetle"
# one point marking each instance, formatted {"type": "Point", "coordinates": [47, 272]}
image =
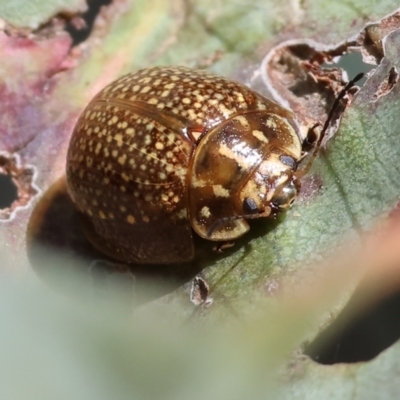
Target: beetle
{"type": "Point", "coordinates": [167, 152]}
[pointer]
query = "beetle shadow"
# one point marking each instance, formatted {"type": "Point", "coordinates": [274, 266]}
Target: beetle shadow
{"type": "Point", "coordinates": [62, 257]}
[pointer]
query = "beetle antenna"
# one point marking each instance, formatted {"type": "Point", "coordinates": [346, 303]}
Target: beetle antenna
{"type": "Point", "coordinates": [334, 107]}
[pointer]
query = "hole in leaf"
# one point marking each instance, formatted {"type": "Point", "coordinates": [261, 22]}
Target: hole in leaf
{"type": "Point", "coordinates": [387, 84]}
{"type": "Point", "coordinates": [8, 191]}
{"type": "Point", "coordinates": [80, 27]}
{"type": "Point", "coordinates": [16, 185]}
{"type": "Point", "coordinates": [358, 338]}
{"type": "Point", "coordinates": [353, 64]}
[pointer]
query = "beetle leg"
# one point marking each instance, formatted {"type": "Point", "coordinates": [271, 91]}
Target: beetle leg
{"type": "Point", "coordinates": [220, 247]}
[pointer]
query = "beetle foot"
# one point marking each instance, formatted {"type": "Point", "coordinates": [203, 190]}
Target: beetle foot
{"type": "Point", "coordinates": [220, 247]}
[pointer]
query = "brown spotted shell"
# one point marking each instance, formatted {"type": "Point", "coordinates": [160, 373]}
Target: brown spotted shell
{"type": "Point", "coordinates": [168, 150]}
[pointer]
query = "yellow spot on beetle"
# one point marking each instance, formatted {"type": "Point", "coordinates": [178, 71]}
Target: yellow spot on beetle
{"type": "Point", "coordinates": [205, 212]}
{"type": "Point", "coordinates": [118, 137]}
{"type": "Point", "coordinates": [220, 191]}
{"type": "Point", "coordinates": [271, 123]}
{"type": "Point", "coordinates": [243, 121]}
{"type": "Point", "coordinates": [122, 159]}
{"type": "Point", "coordinates": [260, 136]}
{"type": "Point", "coordinates": [130, 219]}
{"type": "Point", "coordinates": [146, 89]}
{"type": "Point", "coordinates": [125, 177]}
{"type": "Point", "coordinates": [224, 110]}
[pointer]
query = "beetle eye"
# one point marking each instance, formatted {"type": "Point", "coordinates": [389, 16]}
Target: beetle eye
{"type": "Point", "coordinates": [285, 198]}
{"type": "Point", "coordinates": [249, 206]}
